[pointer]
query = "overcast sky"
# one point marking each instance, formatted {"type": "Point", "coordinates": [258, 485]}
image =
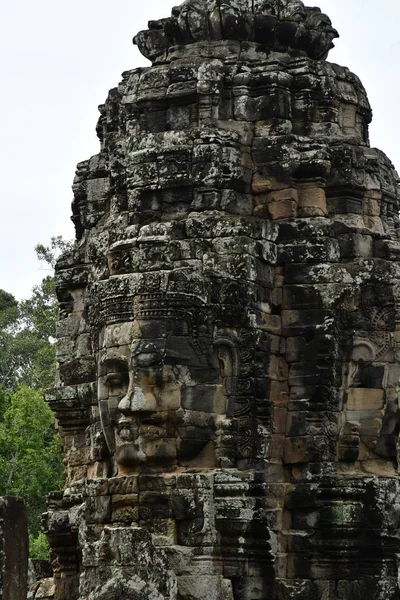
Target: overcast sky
{"type": "Point", "coordinates": [59, 59]}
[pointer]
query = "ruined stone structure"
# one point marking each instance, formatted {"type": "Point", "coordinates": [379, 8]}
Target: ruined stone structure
{"type": "Point", "coordinates": [230, 325]}
{"type": "Point", "coordinates": [13, 549]}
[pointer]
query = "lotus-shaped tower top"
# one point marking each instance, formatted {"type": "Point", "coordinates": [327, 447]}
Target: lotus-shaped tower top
{"type": "Point", "coordinates": [277, 25]}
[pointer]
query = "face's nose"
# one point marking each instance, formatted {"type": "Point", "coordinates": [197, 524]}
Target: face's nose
{"type": "Point", "coordinates": [136, 400]}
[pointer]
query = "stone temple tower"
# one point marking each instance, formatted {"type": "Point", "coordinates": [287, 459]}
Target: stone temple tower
{"type": "Point", "coordinates": [229, 331]}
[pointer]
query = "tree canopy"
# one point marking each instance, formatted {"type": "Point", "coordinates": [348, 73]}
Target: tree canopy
{"type": "Point", "coordinates": [30, 458]}
{"type": "Point", "coordinates": [30, 452]}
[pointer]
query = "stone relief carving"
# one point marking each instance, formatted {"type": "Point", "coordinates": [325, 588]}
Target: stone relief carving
{"type": "Point", "coordinates": [157, 380]}
{"type": "Point", "coordinates": [228, 336]}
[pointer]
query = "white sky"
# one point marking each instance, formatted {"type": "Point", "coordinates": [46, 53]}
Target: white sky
{"type": "Point", "coordinates": [58, 59]}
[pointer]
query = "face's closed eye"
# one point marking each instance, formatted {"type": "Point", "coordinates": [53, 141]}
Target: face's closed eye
{"type": "Point", "coordinates": [146, 354]}
{"type": "Point", "coordinates": [114, 377]}
{"type": "Point", "coordinates": [148, 359]}
{"type": "Point", "coordinates": [116, 380]}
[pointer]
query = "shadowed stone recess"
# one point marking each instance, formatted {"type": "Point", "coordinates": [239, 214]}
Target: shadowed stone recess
{"type": "Point", "coordinates": [229, 331]}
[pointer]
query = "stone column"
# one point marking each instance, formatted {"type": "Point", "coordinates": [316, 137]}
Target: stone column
{"type": "Point", "coordinates": [13, 549]}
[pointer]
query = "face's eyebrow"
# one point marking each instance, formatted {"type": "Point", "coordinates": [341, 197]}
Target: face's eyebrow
{"type": "Point", "coordinates": [118, 362]}
{"type": "Point", "coordinates": [147, 346]}
{"type": "Point", "coordinates": [176, 357]}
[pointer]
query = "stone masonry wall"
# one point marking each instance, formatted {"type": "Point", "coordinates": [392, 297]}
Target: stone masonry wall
{"type": "Point", "coordinates": [229, 335]}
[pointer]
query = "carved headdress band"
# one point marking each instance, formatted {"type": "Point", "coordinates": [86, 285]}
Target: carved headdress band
{"type": "Point", "coordinates": [128, 307]}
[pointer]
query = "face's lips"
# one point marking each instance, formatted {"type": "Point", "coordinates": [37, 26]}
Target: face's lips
{"type": "Point", "coordinates": [127, 430]}
{"type": "Point", "coordinates": [123, 423]}
{"type": "Point", "coordinates": [152, 432]}
{"type": "Point", "coordinates": [130, 431]}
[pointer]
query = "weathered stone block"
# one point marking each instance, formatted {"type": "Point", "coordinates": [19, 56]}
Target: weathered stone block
{"type": "Point", "coordinates": [279, 419]}
{"type": "Point", "coordinates": [279, 392]}
{"type": "Point", "coordinates": [98, 509]}
{"type": "Point", "coordinates": [299, 322]}
{"type": "Point", "coordinates": [277, 446]}
{"type": "Point", "coordinates": [13, 549]}
{"type": "Point", "coordinates": [355, 245]}
{"type": "Point", "coordinates": [308, 252]}
{"type": "Point", "coordinates": [298, 589]}
{"type": "Point", "coordinates": [278, 369]}
{"type": "Point", "coordinates": [374, 224]}
{"type": "Point", "coordinates": [204, 588]}
{"type": "Point", "coordinates": [262, 183]}
{"type": "Point", "coordinates": [45, 590]}
{"type": "Point", "coordinates": [312, 201]}
{"type": "Point", "coordinates": [296, 450]}
{"type": "Point", "coordinates": [282, 204]}
{"type": "Point", "coordinates": [236, 203]}
{"type": "Point", "coordinates": [359, 399]}
{"type": "Point", "coordinates": [370, 421]}
{"type": "Point", "coordinates": [347, 118]}
{"type": "Point", "coordinates": [372, 204]}
{"type": "Point", "coordinates": [301, 296]}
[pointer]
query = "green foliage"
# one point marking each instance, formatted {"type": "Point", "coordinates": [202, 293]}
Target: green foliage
{"type": "Point", "coordinates": [30, 457]}
{"type": "Point", "coordinates": [28, 329]}
{"type": "Point", "coordinates": [8, 309]}
{"type": "Point", "coordinates": [38, 546]}
{"type": "Point", "coordinates": [26, 358]}
{"type": "Point", "coordinates": [30, 452]}
{"type": "Point", "coordinates": [5, 401]}
{"type": "Point", "coordinates": [39, 312]}
{"type": "Point", "coordinates": [50, 254]}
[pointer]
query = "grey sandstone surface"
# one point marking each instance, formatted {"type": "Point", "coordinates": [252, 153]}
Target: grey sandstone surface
{"type": "Point", "coordinates": [13, 549]}
{"type": "Point", "coordinates": [229, 335]}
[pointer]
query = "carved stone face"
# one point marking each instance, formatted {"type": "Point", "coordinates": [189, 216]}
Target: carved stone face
{"type": "Point", "coordinates": [160, 394]}
{"type": "Point", "coordinates": [323, 33]}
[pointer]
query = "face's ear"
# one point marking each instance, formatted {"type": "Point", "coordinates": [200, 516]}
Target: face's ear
{"type": "Point", "coordinates": [228, 360]}
{"type": "Point", "coordinates": [363, 350]}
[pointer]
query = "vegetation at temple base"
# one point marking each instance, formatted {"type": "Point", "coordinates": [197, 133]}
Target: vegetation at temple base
{"type": "Point", "coordinates": [30, 458]}
{"type": "Point", "coordinates": [30, 453]}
